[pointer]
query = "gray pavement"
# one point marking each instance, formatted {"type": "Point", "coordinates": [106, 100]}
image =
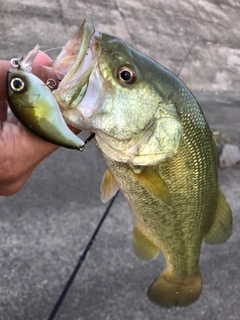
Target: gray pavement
{"type": "Point", "coordinates": [45, 226]}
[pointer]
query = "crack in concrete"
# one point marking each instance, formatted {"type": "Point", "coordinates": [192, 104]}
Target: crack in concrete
{"type": "Point", "coordinates": [187, 56]}
{"type": "Point", "coordinates": [123, 19]}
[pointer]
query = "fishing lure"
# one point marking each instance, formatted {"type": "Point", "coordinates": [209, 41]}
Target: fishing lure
{"type": "Point", "coordinates": [32, 102]}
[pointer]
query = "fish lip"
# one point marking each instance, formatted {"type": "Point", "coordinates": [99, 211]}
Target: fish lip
{"type": "Point", "coordinates": [76, 79]}
{"type": "Point", "coordinates": [86, 32]}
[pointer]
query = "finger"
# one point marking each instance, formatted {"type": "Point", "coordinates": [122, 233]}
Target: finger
{"type": "Point", "coordinates": [43, 59]}
{"type": "Point", "coordinates": [45, 73]}
{"type": "Point", "coordinates": [74, 130]}
{"type": "Point", "coordinates": [14, 120]}
{"type": "Point", "coordinates": [42, 70]}
{"type": "Point", "coordinates": [4, 67]}
{"type": "Point", "coordinates": [3, 110]}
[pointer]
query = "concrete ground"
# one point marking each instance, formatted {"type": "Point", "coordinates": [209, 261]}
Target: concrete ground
{"type": "Point", "coordinates": [46, 225]}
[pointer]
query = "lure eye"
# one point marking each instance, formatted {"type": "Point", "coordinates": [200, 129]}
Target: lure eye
{"type": "Point", "coordinates": [126, 75]}
{"type": "Point", "coordinates": [17, 84]}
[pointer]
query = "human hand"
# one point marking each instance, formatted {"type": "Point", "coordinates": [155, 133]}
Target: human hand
{"type": "Point", "coordinates": [20, 150]}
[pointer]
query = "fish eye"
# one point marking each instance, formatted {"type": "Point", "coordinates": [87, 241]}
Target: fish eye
{"type": "Point", "coordinates": [17, 84]}
{"type": "Point", "coordinates": [126, 75]}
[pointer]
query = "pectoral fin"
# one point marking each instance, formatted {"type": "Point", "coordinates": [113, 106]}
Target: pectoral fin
{"type": "Point", "coordinates": [221, 228]}
{"type": "Point", "coordinates": [154, 184]}
{"type": "Point", "coordinates": [143, 248]}
{"type": "Point", "coordinates": [109, 186]}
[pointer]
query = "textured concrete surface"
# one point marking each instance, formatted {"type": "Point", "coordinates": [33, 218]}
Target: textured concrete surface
{"type": "Point", "coordinates": [46, 225]}
{"type": "Point", "coordinates": [200, 39]}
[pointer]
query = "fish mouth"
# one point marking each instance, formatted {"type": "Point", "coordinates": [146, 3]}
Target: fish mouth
{"type": "Point", "coordinates": [78, 59]}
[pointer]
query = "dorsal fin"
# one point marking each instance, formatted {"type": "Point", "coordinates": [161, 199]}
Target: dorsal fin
{"type": "Point", "coordinates": [154, 184]}
{"type": "Point", "coordinates": [109, 186]}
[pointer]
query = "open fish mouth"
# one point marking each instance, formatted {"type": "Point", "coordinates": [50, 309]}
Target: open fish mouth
{"type": "Point", "coordinates": [78, 58]}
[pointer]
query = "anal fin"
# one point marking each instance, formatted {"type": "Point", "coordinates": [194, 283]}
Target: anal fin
{"type": "Point", "coordinates": [143, 247]}
{"type": "Point", "coordinates": [221, 228]}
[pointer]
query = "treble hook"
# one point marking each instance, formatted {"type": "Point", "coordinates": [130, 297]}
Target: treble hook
{"type": "Point", "coordinates": [15, 62]}
{"type": "Point", "coordinates": [51, 83]}
{"type": "Point", "coordinates": [89, 138]}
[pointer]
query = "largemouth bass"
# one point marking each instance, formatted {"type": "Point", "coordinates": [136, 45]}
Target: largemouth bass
{"type": "Point", "coordinates": [159, 151]}
{"type": "Point", "coordinates": [32, 102]}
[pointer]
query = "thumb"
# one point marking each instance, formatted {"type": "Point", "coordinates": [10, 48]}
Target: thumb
{"type": "Point", "coordinates": [41, 68]}
{"type": "Point", "coordinates": [43, 59]}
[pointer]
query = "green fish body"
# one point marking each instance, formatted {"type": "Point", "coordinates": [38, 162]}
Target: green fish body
{"type": "Point", "coordinates": [159, 151]}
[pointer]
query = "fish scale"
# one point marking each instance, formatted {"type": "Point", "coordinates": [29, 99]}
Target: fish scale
{"type": "Point", "coordinates": [163, 217]}
{"type": "Point", "coordinates": [192, 210]}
